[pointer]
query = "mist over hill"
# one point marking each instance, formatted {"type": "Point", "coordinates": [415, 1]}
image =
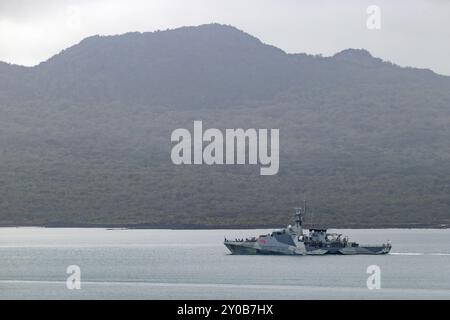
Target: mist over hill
{"type": "Point", "coordinates": [85, 135]}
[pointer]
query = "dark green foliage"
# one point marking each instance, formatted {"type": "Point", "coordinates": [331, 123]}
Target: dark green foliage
{"type": "Point", "coordinates": [85, 136]}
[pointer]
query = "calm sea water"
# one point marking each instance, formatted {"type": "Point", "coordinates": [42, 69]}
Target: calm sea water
{"type": "Point", "coordinates": [187, 264]}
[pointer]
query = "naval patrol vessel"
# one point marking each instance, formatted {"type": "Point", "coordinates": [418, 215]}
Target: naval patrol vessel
{"type": "Point", "coordinates": [293, 241]}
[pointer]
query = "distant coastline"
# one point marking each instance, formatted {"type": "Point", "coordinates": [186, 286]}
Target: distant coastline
{"type": "Point", "coordinates": [226, 227]}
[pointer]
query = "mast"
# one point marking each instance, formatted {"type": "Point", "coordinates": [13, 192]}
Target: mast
{"type": "Point", "coordinates": [304, 207]}
{"type": "Point", "coordinates": [298, 220]}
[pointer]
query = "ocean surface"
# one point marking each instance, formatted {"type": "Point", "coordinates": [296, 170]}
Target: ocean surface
{"type": "Point", "coordinates": [194, 264]}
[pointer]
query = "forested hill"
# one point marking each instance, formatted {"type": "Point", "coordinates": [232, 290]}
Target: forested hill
{"type": "Point", "coordinates": [85, 135]}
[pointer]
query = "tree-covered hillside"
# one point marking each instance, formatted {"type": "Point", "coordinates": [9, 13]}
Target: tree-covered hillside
{"type": "Point", "coordinates": [85, 136]}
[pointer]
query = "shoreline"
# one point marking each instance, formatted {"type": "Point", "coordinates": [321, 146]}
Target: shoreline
{"type": "Point", "coordinates": [142, 226]}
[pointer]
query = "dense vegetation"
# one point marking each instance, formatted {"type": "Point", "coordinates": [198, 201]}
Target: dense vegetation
{"type": "Point", "coordinates": [85, 136]}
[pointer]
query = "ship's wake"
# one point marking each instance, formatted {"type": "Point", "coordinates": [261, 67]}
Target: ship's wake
{"type": "Point", "coordinates": [419, 254]}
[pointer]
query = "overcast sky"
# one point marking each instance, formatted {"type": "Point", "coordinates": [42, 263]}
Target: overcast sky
{"type": "Point", "coordinates": [413, 32]}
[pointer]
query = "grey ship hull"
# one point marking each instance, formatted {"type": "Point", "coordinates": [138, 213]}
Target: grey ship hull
{"type": "Point", "coordinates": [254, 248]}
{"type": "Point", "coordinates": [368, 250]}
{"type": "Point", "coordinates": [251, 248]}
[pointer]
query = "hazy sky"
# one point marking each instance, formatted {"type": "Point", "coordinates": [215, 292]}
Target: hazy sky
{"type": "Point", "coordinates": [413, 32]}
